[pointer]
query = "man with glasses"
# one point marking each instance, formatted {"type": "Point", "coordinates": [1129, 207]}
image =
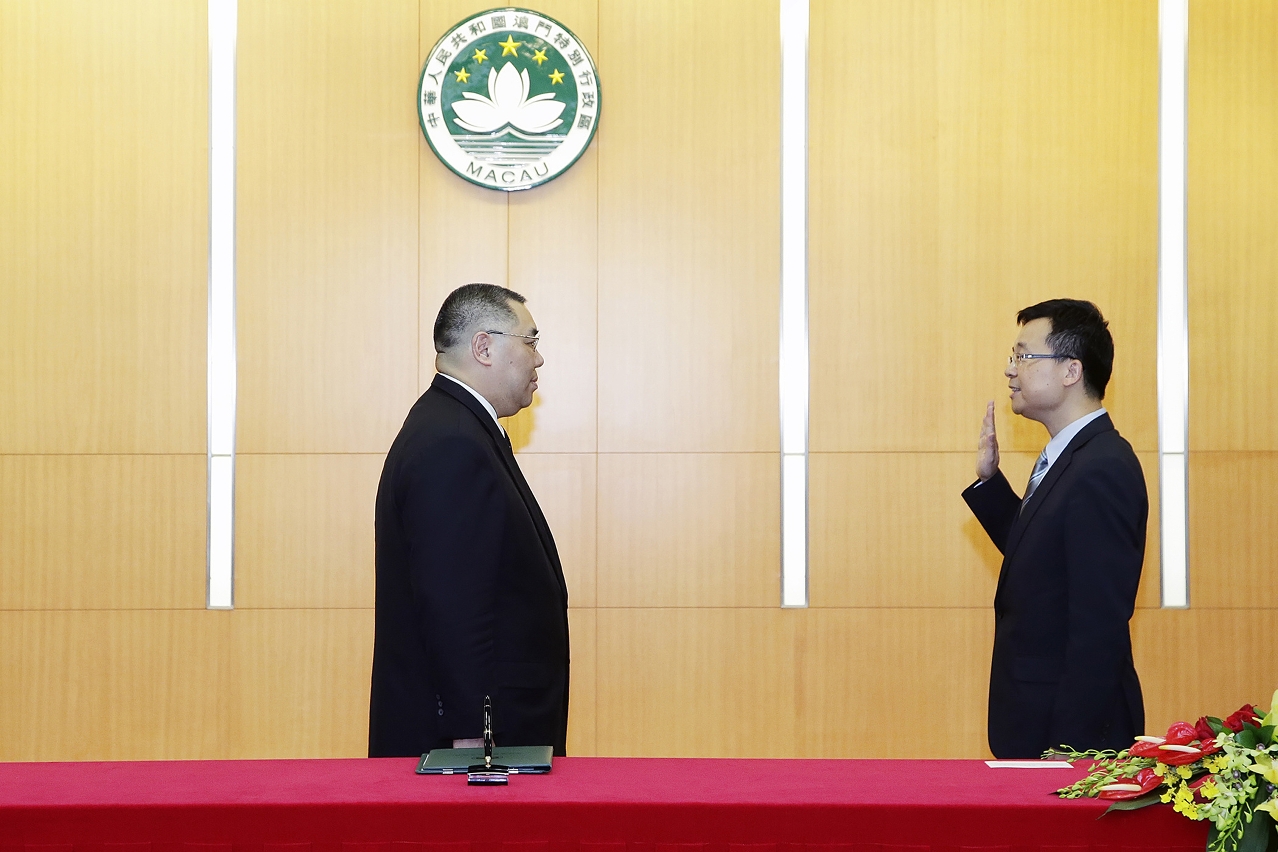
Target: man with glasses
{"type": "Point", "coordinates": [1073, 546]}
{"type": "Point", "coordinates": [471, 601]}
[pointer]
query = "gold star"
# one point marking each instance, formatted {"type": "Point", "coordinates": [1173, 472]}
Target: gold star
{"type": "Point", "coordinates": [539, 56]}
{"type": "Point", "coordinates": [509, 46]}
{"type": "Point", "coordinates": [463, 75]}
{"type": "Point", "coordinates": [480, 55]}
{"type": "Point", "coordinates": [556, 76]}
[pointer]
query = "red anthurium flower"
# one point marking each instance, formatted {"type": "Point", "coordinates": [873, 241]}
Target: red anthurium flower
{"type": "Point", "coordinates": [1144, 781]}
{"type": "Point", "coordinates": [1181, 733]}
{"type": "Point", "coordinates": [1174, 754]}
{"type": "Point", "coordinates": [1245, 713]}
{"type": "Point", "coordinates": [1146, 747]}
{"type": "Point", "coordinates": [1208, 747]}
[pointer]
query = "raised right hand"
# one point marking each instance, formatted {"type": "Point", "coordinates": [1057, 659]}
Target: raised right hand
{"type": "Point", "coordinates": [987, 447]}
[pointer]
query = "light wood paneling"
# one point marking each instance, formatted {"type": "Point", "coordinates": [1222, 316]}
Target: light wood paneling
{"type": "Point", "coordinates": [1233, 217]}
{"type": "Point", "coordinates": [689, 226]}
{"type": "Point", "coordinates": [890, 530]}
{"type": "Point", "coordinates": [863, 671]}
{"type": "Point", "coordinates": [553, 246]}
{"type": "Point", "coordinates": [103, 244]}
{"type": "Point", "coordinates": [689, 529]}
{"type": "Point", "coordinates": [1233, 531]}
{"type": "Point", "coordinates": [304, 530]}
{"type": "Point", "coordinates": [582, 716]}
{"type": "Point", "coordinates": [994, 154]}
{"type": "Point", "coordinates": [566, 490]}
{"type": "Point", "coordinates": [298, 683]}
{"type": "Point", "coordinates": [102, 532]}
{"type": "Point", "coordinates": [1203, 661]}
{"type": "Point", "coordinates": [116, 685]}
{"type": "Point", "coordinates": [327, 229]}
{"type": "Point", "coordinates": [697, 682]}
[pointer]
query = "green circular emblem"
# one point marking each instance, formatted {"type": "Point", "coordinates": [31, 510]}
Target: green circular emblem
{"type": "Point", "coordinates": [509, 99]}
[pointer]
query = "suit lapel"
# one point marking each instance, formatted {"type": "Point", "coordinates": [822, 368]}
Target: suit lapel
{"type": "Point", "coordinates": [1054, 475]}
{"type": "Point", "coordinates": [502, 444]}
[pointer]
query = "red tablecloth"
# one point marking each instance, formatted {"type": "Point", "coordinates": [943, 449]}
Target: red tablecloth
{"type": "Point", "coordinates": [584, 805]}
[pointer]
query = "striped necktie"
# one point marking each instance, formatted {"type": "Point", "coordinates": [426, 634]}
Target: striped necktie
{"type": "Point", "coordinates": [1040, 470]}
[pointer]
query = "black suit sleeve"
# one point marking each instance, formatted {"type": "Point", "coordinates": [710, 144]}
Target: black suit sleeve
{"type": "Point", "coordinates": [995, 505]}
{"type": "Point", "coordinates": [453, 515]}
{"type": "Point", "coordinates": [1106, 514]}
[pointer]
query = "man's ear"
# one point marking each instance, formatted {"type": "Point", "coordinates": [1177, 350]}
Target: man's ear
{"type": "Point", "coordinates": [1073, 372]}
{"type": "Point", "coordinates": [481, 348]}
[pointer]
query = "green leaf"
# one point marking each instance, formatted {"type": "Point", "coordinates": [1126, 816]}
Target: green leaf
{"type": "Point", "coordinates": [1267, 734]}
{"type": "Point", "coordinates": [1134, 804]}
{"type": "Point", "coordinates": [1255, 834]}
{"type": "Point", "coordinates": [1215, 724]}
{"type": "Point", "coordinates": [1248, 737]}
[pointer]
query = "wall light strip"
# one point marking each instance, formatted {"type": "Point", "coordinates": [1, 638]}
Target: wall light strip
{"type": "Point", "coordinates": [1173, 313]}
{"type": "Point", "coordinates": [794, 303]}
{"type": "Point", "coordinates": [223, 22]}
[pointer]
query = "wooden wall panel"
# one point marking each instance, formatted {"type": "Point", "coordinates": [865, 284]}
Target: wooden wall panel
{"type": "Point", "coordinates": [1233, 216]}
{"type": "Point", "coordinates": [103, 245]}
{"type": "Point", "coordinates": [1233, 531]}
{"type": "Point", "coordinates": [689, 529]}
{"type": "Point", "coordinates": [891, 530]}
{"type": "Point", "coordinates": [583, 697]}
{"type": "Point", "coordinates": [969, 159]}
{"type": "Point", "coordinates": [689, 226]}
{"type": "Point", "coordinates": [1203, 661]}
{"type": "Point", "coordinates": [554, 241]}
{"type": "Point", "coordinates": [113, 685]}
{"type": "Point", "coordinates": [102, 532]}
{"type": "Point", "coordinates": [862, 671]}
{"type": "Point", "coordinates": [327, 232]}
{"type": "Point", "coordinates": [304, 530]}
{"type": "Point", "coordinates": [297, 684]}
{"type": "Point", "coordinates": [697, 682]}
{"type": "Point", "coordinates": [566, 487]}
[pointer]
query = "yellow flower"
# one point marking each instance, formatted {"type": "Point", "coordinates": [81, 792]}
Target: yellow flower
{"type": "Point", "coordinates": [1165, 797]}
{"type": "Point", "coordinates": [1209, 790]}
{"type": "Point", "coordinates": [1264, 765]}
{"type": "Point", "coordinates": [1183, 772]}
{"type": "Point", "coordinates": [1271, 807]}
{"type": "Point", "coordinates": [1159, 769]}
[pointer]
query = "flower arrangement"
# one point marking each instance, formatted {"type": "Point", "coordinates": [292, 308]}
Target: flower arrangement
{"type": "Point", "coordinates": [1225, 771]}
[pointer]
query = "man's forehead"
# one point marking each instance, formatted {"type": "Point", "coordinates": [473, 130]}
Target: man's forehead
{"type": "Point", "coordinates": [1033, 332]}
{"type": "Point", "coordinates": [523, 316]}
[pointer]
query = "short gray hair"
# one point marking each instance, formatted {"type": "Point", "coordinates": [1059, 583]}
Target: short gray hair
{"type": "Point", "coordinates": [470, 306]}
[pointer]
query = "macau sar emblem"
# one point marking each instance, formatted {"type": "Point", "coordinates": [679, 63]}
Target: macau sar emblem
{"type": "Point", "coordinates": [509, 99]}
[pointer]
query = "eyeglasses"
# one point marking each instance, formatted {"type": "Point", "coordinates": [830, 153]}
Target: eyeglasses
{"type": "Point", "coordinates": [532, 341]}
{"type": "Point", "coordinates": [1018, 359]}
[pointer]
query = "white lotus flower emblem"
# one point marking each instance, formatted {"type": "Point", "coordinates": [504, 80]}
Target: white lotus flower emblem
{"type": "Point", "coordinates": [508, 104]}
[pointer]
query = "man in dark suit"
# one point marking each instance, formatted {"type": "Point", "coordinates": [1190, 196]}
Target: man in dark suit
{"type": "Point", "coordinates": [471, 599]}
{"type": "Point", "coordinates": [1062, 671]}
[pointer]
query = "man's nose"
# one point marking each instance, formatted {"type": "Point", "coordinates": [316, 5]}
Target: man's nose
{"type": "Point", "coordinates": [540, 359]}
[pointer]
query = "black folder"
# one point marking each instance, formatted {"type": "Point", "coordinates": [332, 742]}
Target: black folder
{"type": "Point", "coordinates": [521, 760]}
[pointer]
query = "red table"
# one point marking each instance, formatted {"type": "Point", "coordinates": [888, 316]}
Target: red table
{"type": "Point", "coordinates": [584, 805]}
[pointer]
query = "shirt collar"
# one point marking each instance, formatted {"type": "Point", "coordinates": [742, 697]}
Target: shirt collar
{"type": "Point", "coordinates": [1057, 445]}
{"type": "Point", "coordinates": [485, 403]}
